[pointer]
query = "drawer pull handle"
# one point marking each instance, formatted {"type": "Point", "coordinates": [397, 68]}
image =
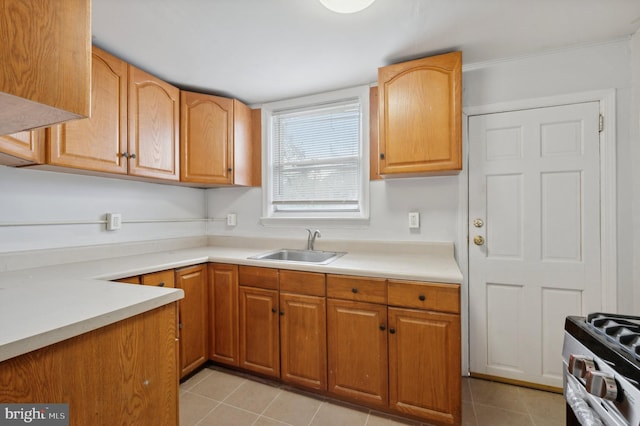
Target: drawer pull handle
{"type": "Point", "coordinates": [392, 330]}
{"type": "Point", "coordinates": [161, 284]}
{"type": "Point", "coordinates": [422, 297]}
{"type": "Point", "coordinates": [354, 290]}
{"type": "Point", "coordinates": [383, 327]}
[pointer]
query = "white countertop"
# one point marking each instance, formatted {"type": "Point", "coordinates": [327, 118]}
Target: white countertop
{"type": "Point", "coordinates": [44, 305]}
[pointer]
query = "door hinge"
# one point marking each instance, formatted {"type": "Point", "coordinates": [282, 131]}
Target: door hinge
{"type": "Point", "coordinates": [601, 123]}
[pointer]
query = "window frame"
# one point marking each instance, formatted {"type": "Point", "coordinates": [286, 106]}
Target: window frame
{"type": "Point", "coordinates": [269, 214]}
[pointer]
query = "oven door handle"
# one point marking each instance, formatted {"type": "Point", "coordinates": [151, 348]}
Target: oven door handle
{"type": "Point", "coordinates": [583, 412]}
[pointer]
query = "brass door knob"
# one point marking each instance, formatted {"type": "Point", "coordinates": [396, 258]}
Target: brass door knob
{"type": "Point", "coordinates": [478, 240]}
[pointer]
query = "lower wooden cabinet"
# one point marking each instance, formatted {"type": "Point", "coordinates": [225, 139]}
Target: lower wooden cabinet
{"type": "Point", "coordinates": [124, 373]}
{"type": "Point", "coordinates": [259, 331]}
{"type": "Point", "coordinates": [193, 316]}
{"type": "Point", "coordinates": [357, 351]}
{"type": "Point", "coordinates": [159, 279]}
{"type": "Point", "coordinates": [223, 314]}
{"type": "Point", "coordinates": [303, 340]}
{"type": "Point", "coordinates": [388, 344]}
{"type": "Point", "coordinates": [424, 364]}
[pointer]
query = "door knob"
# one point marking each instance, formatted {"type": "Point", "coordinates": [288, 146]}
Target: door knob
{"type": "Point", "coordinates": [478, 240]}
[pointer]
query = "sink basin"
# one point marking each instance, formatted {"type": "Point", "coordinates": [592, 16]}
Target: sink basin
{"type": "Point", "coordinates": [307, 256]}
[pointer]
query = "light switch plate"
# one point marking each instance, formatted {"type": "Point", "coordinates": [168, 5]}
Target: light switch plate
{"type": "Point", "coordinates": [114, 221]}
{"type": "Point", "coordinates": [414, 220]}
{"type": "Point", "coordinates": [231, 219]}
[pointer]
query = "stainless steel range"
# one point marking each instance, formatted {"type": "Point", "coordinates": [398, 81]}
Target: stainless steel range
{"type": "Point", "coordinates": [601, 357]}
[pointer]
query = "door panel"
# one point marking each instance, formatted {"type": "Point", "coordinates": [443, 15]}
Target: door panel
{"type": "Point", "coordinates": [534, 182]}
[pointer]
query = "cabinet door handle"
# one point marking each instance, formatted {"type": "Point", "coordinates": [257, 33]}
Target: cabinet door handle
{"type": "Point", "coordinates": [274, 310]}
{"type": "Point", "coordinates": [133, 155]}
{"type": "Point", "coordinates": [229, 169]}
{"type": "Point", "coordinates": [179, 326]}
{"type": "Point", "coordinates": [422, 297]}
{"type": "Point", "coordinates": [161, 284]}
{"type": "Point", "coordinates": [281, 313]}
{"type": "Point", "coordinates": [125, 155]}
{"type": "Point", "coordinates": [354, 290]}
{"type": "Point", "coordinates": [383, 327]}
{"type": "Point", "coordinates": [382, 155]}
{"type": "Point", "coordinates": [392, 330]}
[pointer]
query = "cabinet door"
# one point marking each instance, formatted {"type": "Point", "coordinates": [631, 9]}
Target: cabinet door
{"type": "Point", "coordinates": [22, 148]}
{"type": "Point", "coordinates": [303, 340]}
{"type": "Point", "coordinates": [357, 351]}
{"type": "Point", "coordinates": [420, 116]}
{"type": "Point", "coordinates": [125, 373]}
{"type": "Point", "coordinates": [206, 138]}
{"type": "Point", "coordinates": [259, 331]}
{"type": "Point", "coordinates": [424, 364]}
{"type": "Point", "coordinates": [223, 314]}
{"type": "Point", "coordinates": [45, 49]}
{"type": "Point", "coordinates": [154, 118]}
{"type": "Point", "coordinates": [96, 143]}
{"type": "Point", "coordinates": [193, 317]}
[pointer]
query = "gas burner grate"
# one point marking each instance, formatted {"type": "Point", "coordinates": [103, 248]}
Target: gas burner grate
{"type": "Point", "coordinates": [621, 330]}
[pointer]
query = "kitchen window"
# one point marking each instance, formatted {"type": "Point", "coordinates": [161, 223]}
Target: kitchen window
{"type": "Point", "coordinates": [316, 157]}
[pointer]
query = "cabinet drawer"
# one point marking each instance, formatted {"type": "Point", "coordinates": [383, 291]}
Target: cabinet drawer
{"type": "Point", "coordinates": [311, 283]}
{"type": "Point", "coordinates": [130, 280]}
{"type": "Point", "coordinates": [254, 276]}
{"type": "Point", "coordinates": [425, 295]}
{"type": "Point", "coordinates": [372, 290]}
{"type": "Point", "coordinates": [160, 279]}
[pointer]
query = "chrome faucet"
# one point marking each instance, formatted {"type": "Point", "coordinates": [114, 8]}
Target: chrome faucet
{"type": "Point", "coordinates": [311, 239]}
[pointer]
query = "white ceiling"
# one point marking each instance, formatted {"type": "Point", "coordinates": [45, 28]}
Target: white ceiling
{"type": "Point", "coordinates": [267, 50]}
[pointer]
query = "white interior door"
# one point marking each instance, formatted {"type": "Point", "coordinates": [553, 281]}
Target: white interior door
{"type": "Point", "coordinates": [534, 185]}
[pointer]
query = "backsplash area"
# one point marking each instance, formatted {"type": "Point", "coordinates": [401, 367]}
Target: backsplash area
{"type": "Point", "coordinates": [43, 210]}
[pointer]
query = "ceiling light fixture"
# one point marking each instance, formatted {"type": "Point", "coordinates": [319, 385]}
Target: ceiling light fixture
{"type": "Point", "coordinates": [346, 6]}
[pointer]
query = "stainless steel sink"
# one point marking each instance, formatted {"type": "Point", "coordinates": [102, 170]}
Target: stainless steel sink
{"type": "Point", "coordinates": [306, 256]}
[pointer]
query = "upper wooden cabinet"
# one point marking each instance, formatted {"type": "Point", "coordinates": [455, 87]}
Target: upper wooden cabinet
{"type": "Point", "coordinates": [154, 121]}
{"type": "Point", "coordinates": [133, 129]}
{"type": "Point", "coordinates": [46, 57]}
{"type": "Point", "coordinates": [96, 143]}
{"type": "Point", "coordinates": [20, 149]}
{"type": "Point", "coordinates": [420, 116]}
{"type": "Point", "coordinates": [215, 140]}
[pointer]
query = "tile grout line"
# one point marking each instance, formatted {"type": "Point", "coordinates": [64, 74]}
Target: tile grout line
{"type": "Point", "coordinates": [208, 412]}
{"type": "Point", "coordinates": [196, 383]}
{"type": "Point", "coordinates": [267, 407]}
{"type": "Point", "coordinates": [316, 413]}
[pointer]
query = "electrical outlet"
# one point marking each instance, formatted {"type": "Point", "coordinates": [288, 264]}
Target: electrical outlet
{"type": "Point", "coordinates": [414, 220]}
{"type": "Point", "coordinates": [231, 219]}
{"type": "Point", "coordinates": [114, 221]}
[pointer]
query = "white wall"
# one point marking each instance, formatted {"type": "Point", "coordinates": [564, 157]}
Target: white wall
{"type": "Point", "coordinates": [39, 196]}
{"type": "Point", "coordinates": [584, 69]}
{"type": "Point", "coordinates": [436, 198]}
{"type": "Point", "coordinates": [635, 160]}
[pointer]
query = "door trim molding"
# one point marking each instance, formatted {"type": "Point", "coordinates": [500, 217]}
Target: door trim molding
{"type": "Point", "coordinates": [608, 190]}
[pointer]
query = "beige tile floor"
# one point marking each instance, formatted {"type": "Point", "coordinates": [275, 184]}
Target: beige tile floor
{"type": "Point", "coordinates": [217, 397]}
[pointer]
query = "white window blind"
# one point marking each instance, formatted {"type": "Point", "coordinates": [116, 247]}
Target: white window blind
{"type": "Point", "coordinates": [316, 158]}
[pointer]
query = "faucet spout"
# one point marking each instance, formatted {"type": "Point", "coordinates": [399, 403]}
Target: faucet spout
{"type": "Point", "coordinates": [311, 239]}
